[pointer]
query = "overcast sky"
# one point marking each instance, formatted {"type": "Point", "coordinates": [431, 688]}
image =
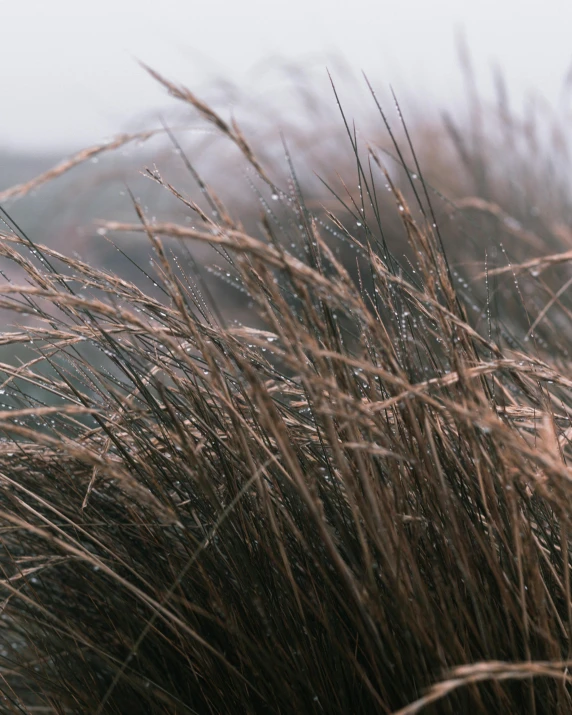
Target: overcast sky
{"type": "Point", "coordinates": [69, 74]}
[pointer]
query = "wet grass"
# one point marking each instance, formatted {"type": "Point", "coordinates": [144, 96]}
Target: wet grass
{"type": "Point", "coordinates": [355, 500]}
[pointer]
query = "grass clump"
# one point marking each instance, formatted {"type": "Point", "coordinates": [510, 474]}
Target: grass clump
{"type": "Point", "coordinates": [356, 500]}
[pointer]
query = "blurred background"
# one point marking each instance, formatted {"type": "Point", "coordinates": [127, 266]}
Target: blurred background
{"type": "Point", "coordinates": [485, 88]}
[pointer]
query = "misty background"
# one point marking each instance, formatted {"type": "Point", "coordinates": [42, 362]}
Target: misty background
{"type": "Point", "coordinates": [70, 74]}
{"type": "Point", "coordinates": [71, 78]}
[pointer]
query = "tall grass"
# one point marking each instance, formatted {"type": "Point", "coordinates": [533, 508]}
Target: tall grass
{"type": "Point", "coordinates": [356, 500]}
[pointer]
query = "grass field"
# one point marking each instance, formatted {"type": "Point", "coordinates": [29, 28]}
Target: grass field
{"type": "Point", "coordinates": [338, 486]}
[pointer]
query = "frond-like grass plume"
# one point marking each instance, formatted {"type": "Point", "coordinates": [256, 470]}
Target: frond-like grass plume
{"type": "Point", "coordinates": [355, 501]}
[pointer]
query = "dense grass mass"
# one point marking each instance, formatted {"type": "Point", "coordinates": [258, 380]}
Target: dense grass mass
{"type": "Point", "coordinates": [354, 500]}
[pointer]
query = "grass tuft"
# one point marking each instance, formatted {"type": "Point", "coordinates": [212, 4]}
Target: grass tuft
{"type": "Point", "coordinates": [355, 500]}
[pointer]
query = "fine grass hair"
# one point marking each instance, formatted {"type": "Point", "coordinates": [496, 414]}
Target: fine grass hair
{"type": "Point", "coordinates": [354, 500]}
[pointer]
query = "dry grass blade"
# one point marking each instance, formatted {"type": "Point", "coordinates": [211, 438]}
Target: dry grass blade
{"type": "Point", "coordinates": [535, 266]}
{"type": "Point", "coordinates": [79, 158]}
{"type": "Point", "coordinates": [232, 130]}
{"type": "Point", "coordinates": [478, 672]}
